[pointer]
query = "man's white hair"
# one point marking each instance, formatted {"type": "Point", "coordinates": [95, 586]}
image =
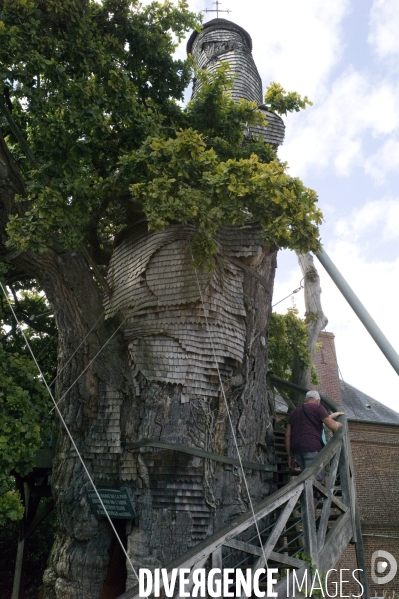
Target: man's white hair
{"type": "Point", "coordinates": [312, 395]}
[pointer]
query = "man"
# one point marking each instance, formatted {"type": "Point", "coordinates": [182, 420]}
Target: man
{"type": "Point", "coordinates": [303, 433]}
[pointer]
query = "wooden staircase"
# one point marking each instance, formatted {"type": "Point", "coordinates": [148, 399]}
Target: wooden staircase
{"type": "Point", "coordinates": [297, 531]}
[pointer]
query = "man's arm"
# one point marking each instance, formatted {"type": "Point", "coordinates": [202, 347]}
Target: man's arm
{"type": "Point", "coordinates": [335, 415]}
{"type": "Point", "coordinates": [291, 462]}
{"type": "Point", "coordinates": [331, 424]}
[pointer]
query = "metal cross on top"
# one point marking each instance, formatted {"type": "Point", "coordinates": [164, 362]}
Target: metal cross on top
{"type": "Point", "coordinates": [217, 10]}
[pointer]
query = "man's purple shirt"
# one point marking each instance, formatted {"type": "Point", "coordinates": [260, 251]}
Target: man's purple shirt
{"type": "Point", "coordinates": [306, 435]}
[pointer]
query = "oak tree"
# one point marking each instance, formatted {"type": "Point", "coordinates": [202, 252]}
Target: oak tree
{"type": "Point", "coordinates": [94, 148]}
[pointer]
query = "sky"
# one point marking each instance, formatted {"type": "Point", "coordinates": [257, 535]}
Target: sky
{"type": "Point", "coordinates": [344, 55]}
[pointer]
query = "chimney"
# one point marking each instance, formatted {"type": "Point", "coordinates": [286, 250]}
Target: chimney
{"type": "Point", "coordinates": [326, 365]}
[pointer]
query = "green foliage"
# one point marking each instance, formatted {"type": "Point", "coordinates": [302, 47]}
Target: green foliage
{"type": "Point", "coordinates": [184, 181]}
{"type": "Point", "coordinates": [93, 89]}
{"type": "Point", "coordinates": [288, 339]}
{"type": "Point", "coordinates": [220, 119]}
{"type": "Point", "coordinates": [35, 314]}
{"type": "Point", "coordinates": [87, 81]}
{"type": "Point", "coordinates": [25, 423]}
{"type": "Point", "coordinates": [282, 102]}
{"type": "Point", "coordinates": [206, 175]}
{"type": "Point", "coordinates": [11, 507]}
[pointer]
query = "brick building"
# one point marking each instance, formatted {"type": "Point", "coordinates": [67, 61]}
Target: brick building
{"type": "Point", "coordinates": [374, 435]}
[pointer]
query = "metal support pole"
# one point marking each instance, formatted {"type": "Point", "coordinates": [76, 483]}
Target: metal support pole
{"type": "Point", "coordinates": [357, 306]}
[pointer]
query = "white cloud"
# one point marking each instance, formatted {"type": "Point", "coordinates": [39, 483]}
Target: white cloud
{"type": "Point", "coordinates": [376, 283]}
{"type": "Point", "coordinates": [384, 26]}
{"type": "Point", "coordinates": [384, 161]}
{"type": "Point", "coordinates": [377, 220]}
{"type": "Point", "coordinates": [296, 43]}
{"type": "Point", "coordinates": [334, 132]}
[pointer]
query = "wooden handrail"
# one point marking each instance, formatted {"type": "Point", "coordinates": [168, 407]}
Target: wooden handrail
{"type": "Point", "coordinates": [210, 544]}
{"type": "Point", "coordinates": [327, 401]}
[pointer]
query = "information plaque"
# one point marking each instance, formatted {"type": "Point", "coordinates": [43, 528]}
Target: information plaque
{"type": "Point", "coordinates": [117, 502]}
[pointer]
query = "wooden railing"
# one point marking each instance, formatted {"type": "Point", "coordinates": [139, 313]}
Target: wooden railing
{"type": "Point", "coordinates": [298, 532]}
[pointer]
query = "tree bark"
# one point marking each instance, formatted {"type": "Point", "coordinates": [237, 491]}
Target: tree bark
{"type": "Point", "coordinates": [315, 318]}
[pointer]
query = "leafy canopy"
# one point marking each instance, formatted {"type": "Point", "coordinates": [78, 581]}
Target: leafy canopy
{"type": "Point", "coordinates": [87, 81]}
{"type": "Point", "coordinates": [288, 341]}
{"type": "Point", "coordinates": [24, 408]}
{"type": "Point", "coordinates": [207, 173]}
{"type": "Point", "coordinates": [93, 88]}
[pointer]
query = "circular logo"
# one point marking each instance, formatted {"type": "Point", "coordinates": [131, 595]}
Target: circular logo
{"type": "Point", "coordinates": [380, 560]}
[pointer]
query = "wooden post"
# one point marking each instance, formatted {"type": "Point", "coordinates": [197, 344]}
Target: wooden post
{"type": "Point", "coordinates": [347, 482]}
{"type": "Point", "coordinates": [18, 564]}
{"type": "Point", "coordinates": [21, 545]}
{"type": "Point", "coordinates": [360, 557]}
{"type": "Point", "coordinates": [357, 529]}
{"type": "Point", "coordinates": [308, 522]}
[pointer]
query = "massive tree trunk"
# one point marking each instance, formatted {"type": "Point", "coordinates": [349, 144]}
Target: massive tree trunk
{"type": "Point", "coordinates": [79, 558]}
{"type": "Point", "coordinates": [176, 320]}
{"type": "Point", "coordinates": [155, 379]}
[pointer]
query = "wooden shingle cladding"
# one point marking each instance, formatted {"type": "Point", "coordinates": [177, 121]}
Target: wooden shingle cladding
{"type": "Point", "coordinates": [273, 133]}
{"type": "Point", "coordinates": [169, 330]}
{"type": "Point", "coordinates": [105, 435]}
{"type": "Point", "coordinates": [222, 41]}
{"type": "Point", "coordinates": [176, 395]}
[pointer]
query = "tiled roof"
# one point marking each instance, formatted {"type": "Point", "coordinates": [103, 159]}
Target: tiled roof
{"type": "Point", "coordinates": [220, 24]}
{"type": "Point", "coordinates": [359, 406]}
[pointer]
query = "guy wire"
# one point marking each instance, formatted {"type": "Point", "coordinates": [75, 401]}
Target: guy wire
{"type": "Point", "coordinates": [80, 345]}
{"type": "Point", "coordinates": [88, 365]}
{"type": "Point", "coordinates": [292, 292]}
{"type": "Point", "coordinates": [69, 433]}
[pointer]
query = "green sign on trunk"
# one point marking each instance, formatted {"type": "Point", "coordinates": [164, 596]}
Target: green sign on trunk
{"type": "Point", "coordinates": [117, 502]}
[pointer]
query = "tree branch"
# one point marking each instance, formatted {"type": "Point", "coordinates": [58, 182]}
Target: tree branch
{"type": "Point", "coordinates": [9, 172]}
{"type": "Point", "coordinates": [17, 133]}
{"type": "Point", "coordinates": [316, 320]}
{"type": "Point", "coordinates": [100, 255]}
{"type": "Point", "coordinates": [18, 276]}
